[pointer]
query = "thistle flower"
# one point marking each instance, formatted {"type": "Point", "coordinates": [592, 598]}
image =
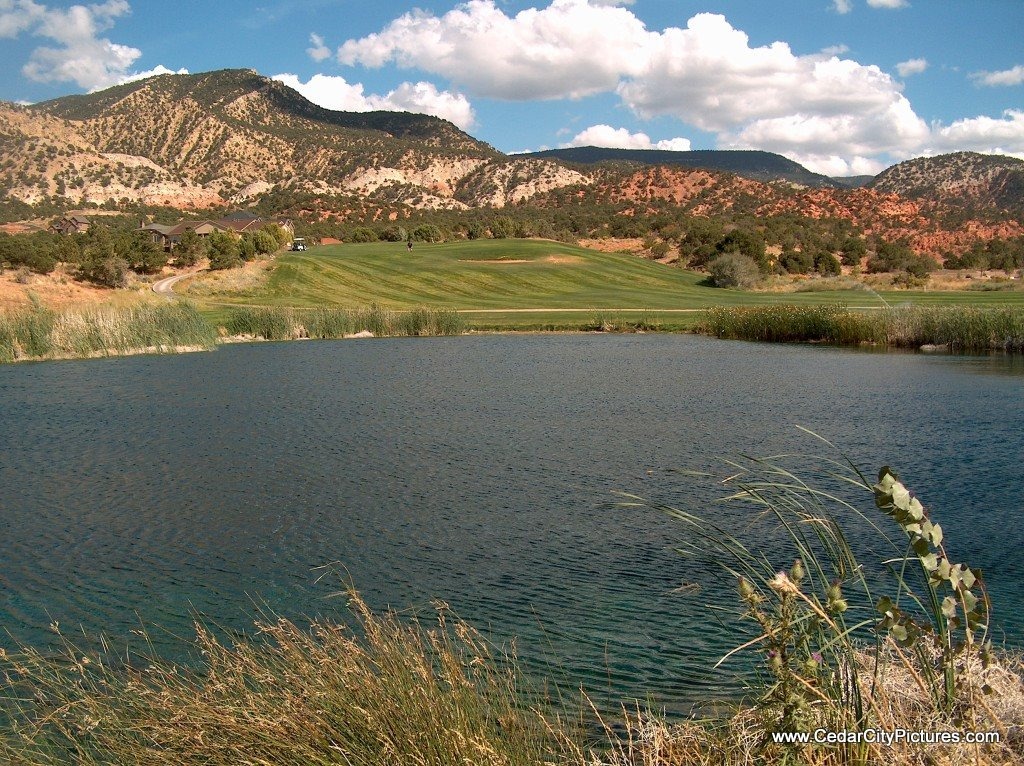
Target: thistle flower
{"type": "Point", "coordinates": [782, 585]}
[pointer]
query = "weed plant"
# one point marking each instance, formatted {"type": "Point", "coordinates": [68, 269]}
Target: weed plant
{"type": "Point", "coordinates": [608, 321]}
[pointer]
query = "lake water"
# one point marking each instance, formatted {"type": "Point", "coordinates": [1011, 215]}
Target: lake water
{"type": "Point", "coordinates": [477, 470]}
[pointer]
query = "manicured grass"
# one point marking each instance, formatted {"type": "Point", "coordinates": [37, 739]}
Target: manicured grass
{"type": "Point", "coordinates": [494, 281]}
{"type": "Point", "coordinates": [490, 275]}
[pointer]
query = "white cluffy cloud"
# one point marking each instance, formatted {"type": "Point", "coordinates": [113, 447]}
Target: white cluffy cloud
{"type": "Point", "coordinates": [336, 93]}
{"type": "Point", "coordinates": [1008, 77]}
{"type": "Point", "coordinates": [319, 50]}
{"type": "Point", "coordinates": [911, 66]}
{"type": "Point", "coordinates": [570, 49]}
{"type": "Point", "coordinates": [620, 138]}
{"type": "Point", "coordinates": [80, 54]}
{"type": "Point", "coordinates": [156, 71]}
{"type": "Point", "coordinates": [842, 6]}
{"type": "Point", "coordinates": [820, 108]}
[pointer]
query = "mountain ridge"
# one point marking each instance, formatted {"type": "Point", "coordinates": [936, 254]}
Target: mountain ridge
{"type": "Point", "coordinates": [750, 163]}
{"type": "Point", "coordinates": [236, 138]}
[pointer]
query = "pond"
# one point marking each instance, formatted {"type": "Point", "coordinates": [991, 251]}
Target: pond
{"type": "Point", "coordinates": [480, 471]}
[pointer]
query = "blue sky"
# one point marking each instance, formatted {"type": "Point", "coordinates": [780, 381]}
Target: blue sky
{"type": "Point", "coordinates": [843, 86]}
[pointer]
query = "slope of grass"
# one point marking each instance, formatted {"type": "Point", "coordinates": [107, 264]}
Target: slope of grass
{"type": "Point", "coordinates": [495, 281]}
{"type": "Point", "coordinates": [497, 275]}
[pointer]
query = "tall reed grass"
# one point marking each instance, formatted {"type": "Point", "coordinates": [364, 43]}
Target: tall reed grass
{"type": "Point", "coordinates": [42, 333]}
{"type": "Point", "coordinates": [385, 692]}
{"type": "Point", "coordinates": [278, 323]}
{"type": "Point", "coordinates": [961, 328]}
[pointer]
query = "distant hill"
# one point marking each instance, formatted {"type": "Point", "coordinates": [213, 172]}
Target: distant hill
{"type": "Point", "coordinates": [852, 182]}
{"type": "Point", "coordinates": [965, 180]}
{"type": "Point", "coordinates": [757, 165]}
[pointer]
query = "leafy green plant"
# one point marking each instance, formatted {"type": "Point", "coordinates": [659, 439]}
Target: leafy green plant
{"type": "Point", "coordinates": [955, 607]}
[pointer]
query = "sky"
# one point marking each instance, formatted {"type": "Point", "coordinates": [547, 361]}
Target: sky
{"type": "Point", "coordinates": [845, 87]}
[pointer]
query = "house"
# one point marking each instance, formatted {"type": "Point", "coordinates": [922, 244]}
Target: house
{"type": "Point", "coordinates": [168, 236]}
{"type": "Point", "coordinates": [70, 224]}
{"type": "Point", "coordinates": [235, 223]}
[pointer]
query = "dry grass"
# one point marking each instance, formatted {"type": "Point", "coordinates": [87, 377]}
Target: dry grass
{"type": "Point", "coordinates": [897, 701]}
{"type": "Point", "coordinates": [60, 290]}
{"type": "Point", "coordinates": [248, 277]}
{"type": "Point", "coordinates": [391, 692]}
{"type": "Point", "coordinates": [384, 692]}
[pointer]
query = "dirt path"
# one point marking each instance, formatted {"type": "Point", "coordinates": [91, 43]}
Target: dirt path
{"type": "Point", "coordinates": [165, 287]}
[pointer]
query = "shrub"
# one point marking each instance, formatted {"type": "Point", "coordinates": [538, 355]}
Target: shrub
{"type": "Point", "coordinates": [796, 261]}
{"type": "Point", "coordinates": [363, 234]}
{"type": "Point", "coordinates": [427, 232]}
{"type": "Point", "coordinates": [827, 264]}
{"type": "Point", "coordinates": [224, 251]}
{"type": "Point", "coordinates": [394, 234]}
{"type": "Point", "coordinates": [264, 242]}
{"type": "Point", "coordinates": [734, 270]}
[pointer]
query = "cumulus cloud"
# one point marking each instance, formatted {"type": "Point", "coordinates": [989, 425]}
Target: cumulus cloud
{"type": "Point", "coordinates": [570, 49]}
{"type": "Point", "coordinates": [911, 66]}
{"type": "Point", "coordinates": [1014, 76]}
{"type": "Point", "coordinates": [80, 54]}
{"type": "Point", "coordinates": [319, 50]}
{"type": "Point", "coordinates": [828, 110]}
{"type": "Point", "coordinates": [336, 93]}
{"type": "Point", "coordinates": [156, 71]}
{"type": "Point", "coordinates": [620, 138]}
{"type": "Point", "coordinates": [842, 6]}
{"type": "Point", "coordinates": [1004, 135]}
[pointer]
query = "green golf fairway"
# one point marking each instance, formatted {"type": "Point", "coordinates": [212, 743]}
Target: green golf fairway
{"type": "Point", "coordinates": [514, 283]}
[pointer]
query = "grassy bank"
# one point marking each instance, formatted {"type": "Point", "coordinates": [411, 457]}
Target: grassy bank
{"type": "Point", "coordinates": [41, 333]}
{"type": "Point", "coordinates": [960, 328]}
{"type": "Point", "coordinates": [156, 328]}
{"type": "Point", "coordinates": [277, 323]}
{"type": "Point", "coordinates": [387, 690]}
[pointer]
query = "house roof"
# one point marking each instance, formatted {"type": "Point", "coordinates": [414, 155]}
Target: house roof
{"type": "Point", "coordinates": [158, 227]}
{"type": "Point", "coordinates": [240, 224]}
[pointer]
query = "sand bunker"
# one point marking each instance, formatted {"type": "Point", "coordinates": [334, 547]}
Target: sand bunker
{"type": "Point", "coordinates": [563, 259]}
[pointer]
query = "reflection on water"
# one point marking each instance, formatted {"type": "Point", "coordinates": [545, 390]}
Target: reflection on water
{"type": "Point", "coordinates": [474, 470]}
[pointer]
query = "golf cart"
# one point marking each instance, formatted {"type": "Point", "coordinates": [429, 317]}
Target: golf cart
{"type": "Point", "coordinates": [298, 245]}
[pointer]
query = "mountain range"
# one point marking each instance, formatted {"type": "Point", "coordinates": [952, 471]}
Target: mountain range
{"type": "Point", "coordinates": [234, 137]}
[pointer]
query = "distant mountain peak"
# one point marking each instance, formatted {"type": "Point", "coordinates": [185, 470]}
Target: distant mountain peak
{"type": "Point", "coordinates": [749, 163]}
